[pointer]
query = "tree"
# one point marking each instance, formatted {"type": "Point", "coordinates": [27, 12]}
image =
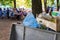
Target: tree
{"type": "Point", "coordinates": [45, 4]}
{"type": "Point", "coordinates": [14, 3]}
{"type": "Point", "coordinates": [36, 7]}
{"type": "Point", "coordinates": [57, 5]}
{"type": "Point", "coordinates": [28, 3]}
{"type": "Point", "coordinates": [8, 2]}
{"type": "Point", "coordinates": [50, 2]}
{"type": "Point", "coordinates": [4, 2]}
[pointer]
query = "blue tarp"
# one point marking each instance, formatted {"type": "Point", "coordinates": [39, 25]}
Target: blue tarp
{"type": "Point", "coordinates": [30, 21]}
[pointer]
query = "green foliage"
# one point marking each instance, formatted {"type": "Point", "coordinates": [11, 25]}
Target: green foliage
{"type": "Point", "coordinates": [59, 2]}
{"type": "Point", "coordinates": [25, 3]}
{"type": "Point", "coordinates": [28, 3]}
{"type": "Point", "coordinates": [50, 2]}
{"type": "Point", "coordinates": [6, 2]}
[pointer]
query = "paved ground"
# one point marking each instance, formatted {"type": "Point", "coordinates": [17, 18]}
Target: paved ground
{"type": "Point", "coordinates": [5, 26]}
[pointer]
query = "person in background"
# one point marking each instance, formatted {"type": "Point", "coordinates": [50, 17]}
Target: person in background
{"type": "Point", "coordinates": [54, 12]}
{"type": "Point", "coordinates": [21, 12]}
{"type": "Point", "coordinates": [50, 11]}
{"type": "Point", "coordinates": [11, 13]}
{"type": "Point", "coordinates": [4, 13]}
{"type": "Point", "coordinates": [17, 10]}
{"type": "Point", "coordinates": [53, 7]}
{"type": "Point", "coordinates": [8, 13]}
{"type": "Point", "coordinates": [16, 14]}
{"type": "Point", "coordinates": [25, 12]}
{"type": "Point", "coordinates": [47, 10]}
{"type": "Point", "coordinates": [1, 13]}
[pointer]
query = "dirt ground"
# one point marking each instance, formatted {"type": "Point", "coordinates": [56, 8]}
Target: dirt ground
{"type": "Point", "coordinates": [5, 28]}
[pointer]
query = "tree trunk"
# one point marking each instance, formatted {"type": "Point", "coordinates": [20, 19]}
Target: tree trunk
{"type": "Point", "coordinates": [14, 3]}
{"type": "Point", "coordinates": [57, 5]}
{"type": "Point", "coordinates": [45, 5]}
{"type": "Point", "coordinates": [36, 7]}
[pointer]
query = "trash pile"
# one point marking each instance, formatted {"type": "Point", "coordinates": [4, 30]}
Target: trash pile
{"type": "Point", "coordinates": [31, 22]}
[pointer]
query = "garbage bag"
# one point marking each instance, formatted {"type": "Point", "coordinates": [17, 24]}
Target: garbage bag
{"type": "Point", "coordinates": [30, 21]}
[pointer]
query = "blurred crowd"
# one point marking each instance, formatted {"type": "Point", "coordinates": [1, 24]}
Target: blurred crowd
{"type": "Point", "coordinates": [52, 11]}
{"type": "Point", "coordinates": [17, 13]}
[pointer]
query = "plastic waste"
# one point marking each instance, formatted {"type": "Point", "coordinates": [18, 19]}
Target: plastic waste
{"type": "Point", "coordinates": [30, 21]}
{"type": "Point", "coordinates": [54, 13]}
